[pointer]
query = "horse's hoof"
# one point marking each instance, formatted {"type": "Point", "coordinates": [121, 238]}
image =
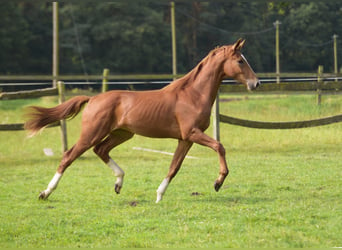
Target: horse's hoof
{"type": "Point", "coordinates": [117, 188]}
{"type": "Point", "coordinates": [42, 196]}
{"type": "Point", "coordinates": [217, 186]}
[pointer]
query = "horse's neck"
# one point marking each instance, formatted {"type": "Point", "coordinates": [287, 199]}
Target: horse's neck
{"type": "Point", "coordinates": [204, 79]}
{"type": "Point", "coordinates": [208, 82]}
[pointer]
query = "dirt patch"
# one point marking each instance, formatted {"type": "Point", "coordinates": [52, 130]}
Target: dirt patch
{"type": "Point", "coordinates": [195, 194]}
{"type": "Point", "coordinates": [133, 203]}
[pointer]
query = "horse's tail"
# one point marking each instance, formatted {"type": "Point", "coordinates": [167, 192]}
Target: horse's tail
{"type": "Point", "coordinates": [39, 117]}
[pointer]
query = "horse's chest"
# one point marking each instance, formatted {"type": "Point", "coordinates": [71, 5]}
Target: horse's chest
{"type": "Point", "coordinates": [200, 118]}
{"type": "Point", "coordinates": [204, 121]}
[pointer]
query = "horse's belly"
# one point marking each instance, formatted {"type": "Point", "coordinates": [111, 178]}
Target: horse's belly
{"type": "Point", "coordinates": [152, 117]}
{"type": "Point", "coordinates": [155, 131]}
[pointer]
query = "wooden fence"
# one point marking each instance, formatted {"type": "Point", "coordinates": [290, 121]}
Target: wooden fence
{"type": "Point", "coordinates": [318, 85]}
{"type": "Point", "coordinates": [280, 125]}
{"type": "Point", "coordinates": [60, 91]}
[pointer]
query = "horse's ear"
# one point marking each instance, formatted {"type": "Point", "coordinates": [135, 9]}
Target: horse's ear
{"type": "Point", "coordinates": [238, 44]}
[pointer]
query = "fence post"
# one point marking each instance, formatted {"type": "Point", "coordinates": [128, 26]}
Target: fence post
{"type": "Point", "coordinates": [319, 82]}
{"type": "Point", "coordinates": [216, 118]}
{"type": "Point", "coordinates": [61, 98]}
{"type": "Point", "coordinates": [105, 80]}
{"type": "Point", "coordinates": [173, 40]}
{"type": "Point", "coordinates": [276, 24]}
{"type": "Point", "coordinates": [55, 45]}
{"type": "Point", "coordinates": [335, 56]}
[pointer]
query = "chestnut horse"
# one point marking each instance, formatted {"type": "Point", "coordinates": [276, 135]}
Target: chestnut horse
{"type": "Point", "coordinates": [180, 110]}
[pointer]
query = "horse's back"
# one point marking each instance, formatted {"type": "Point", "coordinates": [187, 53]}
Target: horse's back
{"type": "Point", "coordinates": [148, 113]}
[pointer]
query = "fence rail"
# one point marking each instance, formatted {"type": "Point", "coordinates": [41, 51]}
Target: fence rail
{"type": "Point", "coordinates": [288, 81]}
{"type": "Point", "coordinates": [20, 126]}
{"type": "Point", "coordinates": [99, 77]}
{"type": "Point", "coordinates": [318, 86]}
{"type": "Point", "coordinates": [12, 127]}
{"type": "Point", "coordinates": [28, 94]}
{"type": "Point", "coordinates": [317, 83]}
{"type": "Point", "coordinates": [280, 125]}
{"type": "Point", "coordinates": [34, 94]}
{"type": "Point", "coordinates": [285, 86]}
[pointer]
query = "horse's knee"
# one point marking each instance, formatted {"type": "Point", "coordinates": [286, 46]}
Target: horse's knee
{"type": "Point", "coordinates": [220, 149]}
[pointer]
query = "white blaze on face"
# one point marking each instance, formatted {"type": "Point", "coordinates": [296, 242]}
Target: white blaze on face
{"type": "Point", "coordinates": [244, 58]}
{"type": "Point", "coordinates": [251, 83]}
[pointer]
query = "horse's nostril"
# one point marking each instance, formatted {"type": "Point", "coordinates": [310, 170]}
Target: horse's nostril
{"type": "Point", "coordinates": [257, 84]}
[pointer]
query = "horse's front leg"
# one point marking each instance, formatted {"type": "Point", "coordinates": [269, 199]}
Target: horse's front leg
{"type": "Point", "coordinates": [181, 151]}
{"type": "Point", "coordinates": [197, 136]}
{"type": "Point", "coordinates": [51, 186]}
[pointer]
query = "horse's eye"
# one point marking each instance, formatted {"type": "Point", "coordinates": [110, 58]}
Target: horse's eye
{"type": "Point", "coordinates": [240, 61]}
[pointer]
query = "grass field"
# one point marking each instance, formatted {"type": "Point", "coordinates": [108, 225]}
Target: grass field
{"type": "Point", "coordinates": [283, 190]}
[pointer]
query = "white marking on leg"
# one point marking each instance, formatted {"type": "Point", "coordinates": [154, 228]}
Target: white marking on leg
{"type": "Point", "coordinates": [161, 189]}
{"type": "Point", "coordinates": [52, 185]}
{"type": "Point", "coordinates": [118, 172]}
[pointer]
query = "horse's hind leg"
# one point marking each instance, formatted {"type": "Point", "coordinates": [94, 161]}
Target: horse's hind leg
{"type": "Point", "coordinates": [68, 157]}
{"type": "Point", "coordinates": [90, 136]}
{"type": "Point", "coordinates": [102, 149]}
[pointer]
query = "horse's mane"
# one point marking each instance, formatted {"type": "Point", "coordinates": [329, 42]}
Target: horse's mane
{"type": "Point", "coordinates": [192, 75]}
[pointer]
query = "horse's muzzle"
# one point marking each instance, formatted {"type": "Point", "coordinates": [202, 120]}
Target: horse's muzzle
{"type": "Point", "coordinates": [251, 85]}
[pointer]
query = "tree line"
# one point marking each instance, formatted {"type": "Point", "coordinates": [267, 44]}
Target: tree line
{"type": "Point", "coordinates": [135, 37]}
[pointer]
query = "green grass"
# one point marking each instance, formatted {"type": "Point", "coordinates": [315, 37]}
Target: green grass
{"type": "Point", "coordinates": [283, 190]}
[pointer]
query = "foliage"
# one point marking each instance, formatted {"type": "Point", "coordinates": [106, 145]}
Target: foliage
{"type": "Point", "coordinates": [283, 190]}
{"type": "Point", "coordinates": [127, 37]}
{"type": "Point", "coordinates": [121, 37]}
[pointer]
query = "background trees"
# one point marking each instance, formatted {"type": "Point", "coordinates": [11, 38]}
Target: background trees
{"type": "Point", "coordinates": [135, 38]}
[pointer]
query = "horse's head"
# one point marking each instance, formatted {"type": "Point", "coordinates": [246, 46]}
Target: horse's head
{"type": "Point", "coordinates": [237, 67]}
